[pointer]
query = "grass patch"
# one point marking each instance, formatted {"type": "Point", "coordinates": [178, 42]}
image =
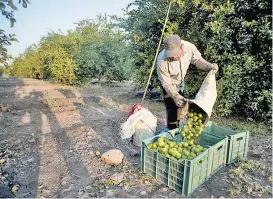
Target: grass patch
{"type": "Point", "coordinates": [255, 128]}
{"type": "Point", "coordinates": [233, 192]}
{"type": "Point", "coordinates": [252, 165]}
{"type": "Point", "coordinates": [242, 183]}
{"type": "Point", "coordinates": [240, 124]}
{"type": "Point", "coordinates": [270, 179]}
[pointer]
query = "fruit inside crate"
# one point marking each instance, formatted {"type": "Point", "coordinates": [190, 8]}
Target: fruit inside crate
{"type": "Point", "coordinates": [180, 174]}
{"type": "Point", "coordinates": [175, 148]}
{"type": "Point", "coordinates": [218, 149]}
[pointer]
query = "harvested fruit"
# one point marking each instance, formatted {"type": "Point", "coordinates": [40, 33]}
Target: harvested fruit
{"type": "Point", "coordinates": [194, 125]}
{"type": "Point", "coordinates": [177, 150]}
{"type": "Point", "coordinates": [161, 143]}
{"type": "Point", "coordinates": [161, 140]}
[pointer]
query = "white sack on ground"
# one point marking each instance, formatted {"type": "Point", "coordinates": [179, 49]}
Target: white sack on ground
{"type": "Point", "coordinates": [128, 128]}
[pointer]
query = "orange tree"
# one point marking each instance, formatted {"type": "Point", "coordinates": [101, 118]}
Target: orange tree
{"type": "Point", "coordinates": [235, 34]}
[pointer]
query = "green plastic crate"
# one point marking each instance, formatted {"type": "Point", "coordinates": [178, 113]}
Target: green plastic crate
{"type": "Point", "coordinates": [218, 149]}
{"type": "Point", "coordinates": [237, 141]}
{"type": "Point", "coordinates": [182, 176]}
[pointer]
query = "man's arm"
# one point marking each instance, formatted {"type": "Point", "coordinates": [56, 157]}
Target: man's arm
{"type": "Point", "coordinates": [200, 62]}
{"type": "Point", "coordinates": [166, 82]}
{"type": "Point", "coordinates": [205, 65]}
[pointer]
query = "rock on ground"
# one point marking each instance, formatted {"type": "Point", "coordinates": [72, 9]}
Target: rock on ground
{"type": "Point", "coordinates": [112, 157]}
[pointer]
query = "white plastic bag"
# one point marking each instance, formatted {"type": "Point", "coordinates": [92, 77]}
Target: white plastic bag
{"type": "Point", "coordinates": [129, 127]}
{"type": "Point", "coordinates": [207, 94]}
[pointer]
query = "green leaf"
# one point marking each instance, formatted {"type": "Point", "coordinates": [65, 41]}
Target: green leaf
{"type": "Point", "coordinates": [24, 4]}
{"type": "Point", "coordinates": [10, 3]}
{"type": "Point", "coordinates": [14, 39]}
{"type": "Point", "coordinates": [12, 21]}
{"type": "Point", "coordinates": [2, 6]}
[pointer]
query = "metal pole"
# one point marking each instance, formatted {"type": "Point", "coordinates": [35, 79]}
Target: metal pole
{"type": "Point", "coordinates": [152, 69]}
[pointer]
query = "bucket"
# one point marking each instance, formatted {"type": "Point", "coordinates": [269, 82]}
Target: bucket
{"type": "Point", "coordinates": [142, 132]}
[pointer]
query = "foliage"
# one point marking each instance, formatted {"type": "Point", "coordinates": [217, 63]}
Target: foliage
{"type": "Point", "coordinates": [7, 8]}
{"type": "Point", "coordinates": [96, 49]}
{"type": "Point", "coordinates": [57, 52]}
{"type": "Point", "coordinates": [234, 34]}
{"type": "Point", "coordinates": [1, 71]}
{"type": "Point", "coordinates": [104, 56]}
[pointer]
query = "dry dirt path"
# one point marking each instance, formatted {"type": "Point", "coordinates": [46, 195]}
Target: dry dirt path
{"type": "Point", "coordinates": [50, 134]}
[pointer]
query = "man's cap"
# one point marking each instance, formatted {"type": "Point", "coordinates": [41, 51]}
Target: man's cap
{"type": "Point", "coordinates": [172, 45]}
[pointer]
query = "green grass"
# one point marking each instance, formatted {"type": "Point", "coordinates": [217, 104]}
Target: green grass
{"type": "Point", "coordinates": [158, 109]}
{"type": "Point", "coordinates": [64, 89]}
{"type": "Point", "coordinates": [243, 180]}
{"type": "Point", "coordinates": [255, 128]}
{"type": "Point", "coordinates": [252, 165]}
{"type": "Point", "coordinates": [233, 192]}
{"type": "Point", "coordinates": [270, 179]}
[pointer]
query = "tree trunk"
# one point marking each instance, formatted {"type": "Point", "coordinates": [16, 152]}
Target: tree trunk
{"type": "Point", "coordinates": [100, 79]}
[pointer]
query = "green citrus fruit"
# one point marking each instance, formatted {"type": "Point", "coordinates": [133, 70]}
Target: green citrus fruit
{"type": "Point", "coordinates": [161, 144]}
{"type": "Point", "coordinates": [180, 150]}
{"type": "Point", "coordinates": [186, 152]}
{"type": "Point", "coordinates": [185, 144]}
{"type": "Point", "coordinates": [161, 140]}
{"type": "Point", "coordinates": [193, 154]}
{"type": "Point", "coordinates": [191, 142]}
{"type": "Point", "coordinates": [178, 155]}
{"type": "Point", "coordinates": [196, 150]}
{"type": "Point", "coordinates": [190, 114]}
{"type": "Point", "coordinates": [195, 118]}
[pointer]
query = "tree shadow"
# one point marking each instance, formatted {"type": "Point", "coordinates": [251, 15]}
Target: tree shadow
{"type": "Point", "coordinates": [28, 133]}
{"type": "Point", "coordinates": [18, 147]}
{"type": "Point", "coordinates": [106, 121]}
{"type": "Point", "coordinates": [53, 134]}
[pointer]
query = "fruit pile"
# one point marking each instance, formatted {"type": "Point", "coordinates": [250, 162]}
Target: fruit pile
{"type": "Point", "coordinates": [179, 151]}
{"type": "Point", "coordinates": [194, 126]}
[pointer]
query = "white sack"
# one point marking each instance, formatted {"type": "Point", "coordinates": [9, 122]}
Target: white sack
{"type": "Point", "coordinates": [128, 128]}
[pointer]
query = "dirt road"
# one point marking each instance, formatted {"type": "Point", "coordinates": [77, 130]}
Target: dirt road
{"type": "Point", "coordinates": [50, 134]}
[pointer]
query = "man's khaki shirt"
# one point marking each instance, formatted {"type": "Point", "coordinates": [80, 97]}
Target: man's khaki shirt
{"type": "Point", "coordinates": [171, 74]}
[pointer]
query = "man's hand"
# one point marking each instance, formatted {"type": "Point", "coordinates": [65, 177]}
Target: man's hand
{"type": "Point", "coordinates": [215, 68]}
{"type": "Point", "coordinates": [179, 100]}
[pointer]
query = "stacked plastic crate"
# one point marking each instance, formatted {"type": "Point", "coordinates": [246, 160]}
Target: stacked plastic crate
{"type": "Point", "coordinates": [223, 145]}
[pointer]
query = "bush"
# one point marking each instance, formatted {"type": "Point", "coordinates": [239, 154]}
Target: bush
{"type": "Point", "coordinates": [237, 35]}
